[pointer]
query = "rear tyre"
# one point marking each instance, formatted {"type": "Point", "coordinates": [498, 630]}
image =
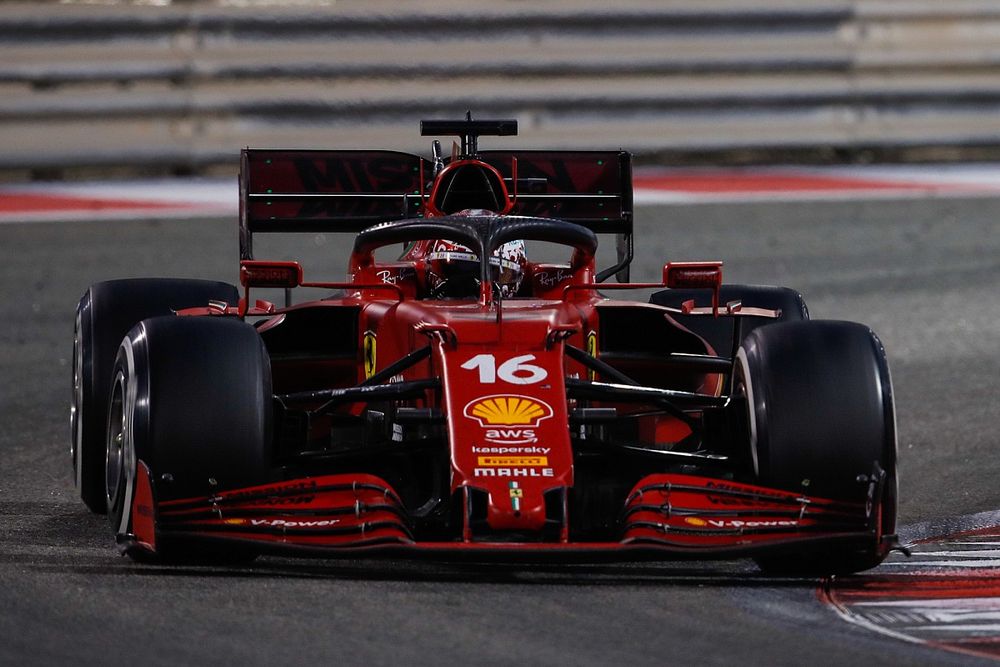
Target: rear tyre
{"type": "Point", "coordinates": [191, 399]}
{"type": "Point", "coordinates": [821, 416]}
{"type": "Point", "coordinates": [718, 332]}
{"type": "Point", "coordinates": [104, 315]}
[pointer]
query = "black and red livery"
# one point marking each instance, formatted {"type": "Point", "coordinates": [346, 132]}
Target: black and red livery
{"type": "Point", "coordinates": [713, 421]}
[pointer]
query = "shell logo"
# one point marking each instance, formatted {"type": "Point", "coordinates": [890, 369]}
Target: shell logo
{"type": "Point", "coordinates": [695, 521]}
{"type": "Point", "coordinates": [508, 410]}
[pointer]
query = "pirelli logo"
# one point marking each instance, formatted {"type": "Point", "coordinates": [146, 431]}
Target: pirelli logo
{"type": "Point", "coordinates": [513, 460]}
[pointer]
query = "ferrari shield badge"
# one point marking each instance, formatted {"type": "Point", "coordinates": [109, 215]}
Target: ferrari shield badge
{"type": "Point", "coordinates": [369, 350]}
{"type": "Point", "coordinates": [592, 351]}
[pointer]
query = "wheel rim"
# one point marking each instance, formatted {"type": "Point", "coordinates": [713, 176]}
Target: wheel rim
{"type": "Point", "coordinates": [76, 406]}
{"type": "Point", "coordinates": [116, 458]}
{"type": "Point", "coordinates": [742, 388]}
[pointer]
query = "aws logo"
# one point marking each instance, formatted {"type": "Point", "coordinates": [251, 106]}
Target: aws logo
{"type": "Point", "coordinates": [511, 436]}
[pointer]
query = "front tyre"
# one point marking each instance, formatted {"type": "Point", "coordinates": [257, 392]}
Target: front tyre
{"type": "Point", "coordinates": [104, 315]}
{"type": "Point", "coordinates": [191, 401]}
{"type": "Point", "coordinates": [821, 418]}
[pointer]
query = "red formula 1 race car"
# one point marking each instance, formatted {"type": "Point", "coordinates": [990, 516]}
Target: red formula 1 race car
{"type": "Point", "coordinates": [466, 402]}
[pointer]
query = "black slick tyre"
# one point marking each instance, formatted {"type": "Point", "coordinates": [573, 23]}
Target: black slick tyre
{"type": "Point", "coordinates": [104, 315]}
{"type": "Point", "coordinates": [190, 399]}
{"type": "Point", "coordinates": [821, 421]}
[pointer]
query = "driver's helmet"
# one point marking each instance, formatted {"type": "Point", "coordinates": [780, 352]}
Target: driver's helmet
{"type": "Point", "coordinates": [453, 269]}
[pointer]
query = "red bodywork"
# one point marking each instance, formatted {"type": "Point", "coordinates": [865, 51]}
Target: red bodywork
{"type": "Point", "coordinates": [501, 404]}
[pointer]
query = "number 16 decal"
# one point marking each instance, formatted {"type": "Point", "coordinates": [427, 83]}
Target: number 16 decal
{"type": "Point", "coordinates": [514, 371]}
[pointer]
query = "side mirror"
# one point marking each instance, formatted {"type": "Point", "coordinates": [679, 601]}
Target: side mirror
{"type": "Point", "coordinates": [707, 275]}
{"type": "Point", "coordinates": [697, 275]}
{"type": "Point", "coordinates": [257, 273]}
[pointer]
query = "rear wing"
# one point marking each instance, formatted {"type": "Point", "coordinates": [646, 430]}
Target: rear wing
{"type": "Point", "coordinates": [326, 191]}
{"type": "Point", "coordinates": [590, 188]}
{"type": "Point", "coordinates": [348, 190]}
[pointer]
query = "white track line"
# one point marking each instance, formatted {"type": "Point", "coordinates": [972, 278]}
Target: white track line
{"type": "Point", "coordinates": [183, 198]}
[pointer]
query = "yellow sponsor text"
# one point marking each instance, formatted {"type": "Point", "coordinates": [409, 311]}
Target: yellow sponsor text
{"type": "Point", "coordinates": [513, 460]}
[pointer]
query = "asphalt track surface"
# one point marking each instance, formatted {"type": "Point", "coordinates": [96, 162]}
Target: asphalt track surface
{"type": "Point", "coordinates": [923, 273]}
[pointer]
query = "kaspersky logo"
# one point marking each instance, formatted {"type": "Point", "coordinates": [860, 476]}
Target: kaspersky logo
{"type": "Point", "coordinates": [505, 417]}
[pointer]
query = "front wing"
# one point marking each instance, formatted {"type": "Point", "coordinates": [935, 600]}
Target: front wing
{"type": "Point", "coordinates": [666, 516]}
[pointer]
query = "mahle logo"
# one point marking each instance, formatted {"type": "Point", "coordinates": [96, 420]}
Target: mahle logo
{"type": "Point", "coordinates": [508, 410]}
